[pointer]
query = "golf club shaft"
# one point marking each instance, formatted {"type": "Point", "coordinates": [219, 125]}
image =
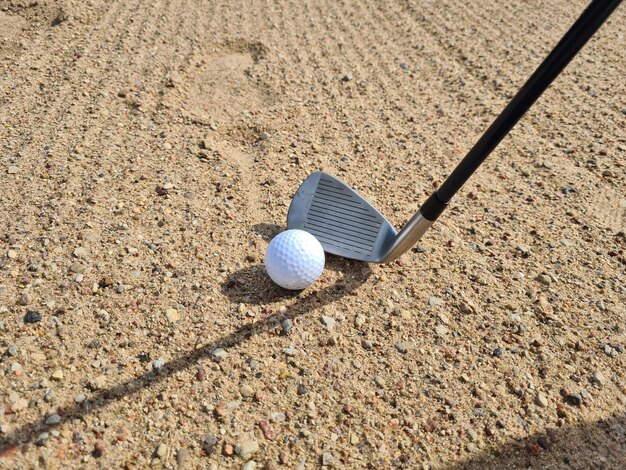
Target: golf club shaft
{"type": "Point", "coordinates": [571, 43]}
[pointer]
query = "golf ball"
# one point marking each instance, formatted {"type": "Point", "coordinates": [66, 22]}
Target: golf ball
{"type": "Point", "coordinates": [294, 259]}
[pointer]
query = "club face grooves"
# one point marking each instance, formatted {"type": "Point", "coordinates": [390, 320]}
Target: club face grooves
{"type": "Point", "coordinates": [343, 221]}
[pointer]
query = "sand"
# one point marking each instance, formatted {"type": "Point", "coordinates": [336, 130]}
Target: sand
{"type": "Point", "coordinates": [148, 153]}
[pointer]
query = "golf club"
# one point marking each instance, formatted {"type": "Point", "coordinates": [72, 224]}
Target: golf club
{"type": "Point", "coordinates": [347, 225]}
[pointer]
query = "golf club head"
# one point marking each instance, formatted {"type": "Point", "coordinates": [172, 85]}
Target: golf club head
{"type": "Point", "coordinates": [341, 219]}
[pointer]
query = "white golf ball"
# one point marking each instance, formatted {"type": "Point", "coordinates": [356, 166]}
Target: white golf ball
{"type": "Point", "coordinates": [294, 259]}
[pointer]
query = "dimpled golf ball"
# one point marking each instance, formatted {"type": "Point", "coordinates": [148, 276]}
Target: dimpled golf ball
{"type": "Point", "coordinates": [294, 259]}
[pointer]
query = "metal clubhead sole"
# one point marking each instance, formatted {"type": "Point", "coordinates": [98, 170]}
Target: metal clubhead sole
{"type": "Point", "coordinates": [341, 219]}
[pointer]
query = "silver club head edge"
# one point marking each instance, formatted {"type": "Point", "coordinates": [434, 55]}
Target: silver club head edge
{"type": "Point", "coordinates": [346, 224]}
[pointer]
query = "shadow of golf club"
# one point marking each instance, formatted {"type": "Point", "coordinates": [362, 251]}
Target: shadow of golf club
{"type": "Point", "coordinates": [266, 292]}
{"type": "Point", "coordinates": [267, 231]}
{"type": "Point", "coordinates": [598, 444]}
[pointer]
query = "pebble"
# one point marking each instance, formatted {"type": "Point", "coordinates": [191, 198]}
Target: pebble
{"type": "Point", "coordinates": [366, 344]}
{"type": "Point", "coordinates": [441, 330]}
{"type": "Point", "coordinates": [434, 301]}
{"type": "Point", "coordinates": [159, 363]}
{"type": "Point", "coordinates": [544, 279]}
{"type": "Point", "coordinates": [219, 354]}
{"type": "Point", "coordinates": [79, 398]}
{"type": "Point", "coordinates": [250, 465]}
{"type": "Point", "coordinates": [25, 299]}
{"type": "Point", "coordinates": [598, 377]}
{"type": "Point", "coordinates": [359, 321]}
{"type": "Point", "coordinates": [161, 451]}
{"type": "Point", "coordinates": [246, 390]}
{"type": "Point", "coordinates": [404, 66]}
{"type": "Point", "coordinates": [575, 399]}
{"type": "Point", "coordinates": [12, 170]}
{"type": "Point", "coordinates": [181, 457]}
{"type": "Point", "coordinates": [268, 432]}
{"type": "Point", "coordinates": [247, 448]}
{"type": "Point", "coordinates": [286, 324]}
{"type": "Point", "coordinates": [401, 348]}
{"type": "Point", "coordinates": [12, 254]}
{"type": "Point", "coordinates": [329, 322]}
{"type": "Point", "coordinates": [302, 390]}
{"type": "Point", "coordinates": [78, 268]}
{"type": "Point", "coordinates": [53, 419]}
{"type": "Point", "coordinates": [81, 252]}
{"type": "Point", "coordinates": [172, 315]}
{"type": "Point", "coordinates": [209, 441]}
{"type": "Point", "coordinates": [327, 459]}
{"type": "Point", "coordinates": [19, 404]}
{"type": "Point", "coordinates": [541, 400]}
{"type": "Point", "coordinates": [98, 449]}
{"type": "Point", "coordinates": [57, 374]}
{"type": "Point", "coordinates": [264, 136]}
{"type": "Point", "coordinates": [347, 77]}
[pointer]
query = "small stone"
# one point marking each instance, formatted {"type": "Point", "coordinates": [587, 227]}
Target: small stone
{"type": "Point", "coordinates": [366, 344]}
{"type": "Point", "coordinates": [268, 432]}
{"type": "Point", "coordinates": [19, 404]}
{"type": "Point", "coordinates": [441, 330]}
{"type": "Point", "coordinates": [575, 399]}
{"type": "Point", "coordinates": [286, 324]}
{"type": "Point", "coordinates": [53, 419]}
{"type": "Point", "coordinates": [78, 268]}
{"type": "Point", "coordinates": [12, 254]}
{"type": "Point", "coordinates": [246, 391]}
{"type": "Point", "coordinates": [544, 279]}
{"type": "Point", "coordinates": [404, 66]}
{"type": "Point", "coordinates": [328, 322]}
{"type": "Point", "coordinates": [247, 448]}
{"type": "Point", "coordinates": [598, 377]}
{"type": "Point", "coordinates": [12, 350]}
{"type": "Point", "coordinates": [172, 315]}
{"type": "Point", "coordinates": [57, 374]}
{"type": "Point", "coordinates": [81, 252]}
{"type": "Point", "coordinates": [218, 354]}
{"type": "Point", "coordinates": [249, 465]}
{"type": "Point", "coordinates": [161, 451]}
{"type": "Point", "coordinates": [359, 321]}
{"type": "Point", "coordinates": [380, 381]}
{"type": "Point", "coordinates": [434, 301]}
{"type": "Point", "coordinates": [228, 450]}
{"type": "Point", "coordinates": [158, 364]}
{"type": "Point", "coordinates": [98, 449]}
{"type": "Point", "coordinates": [181, 457]}
{"type": "Point", "coordinates": [347, 77]}
{"type": "Point", "coordinates": [209, 442]}
{"type": "Point", "coordinates": [79, 398]}
{"type": "Point", "coordinates": [302, 390]}
{"type": "Point", "coordinates": [25, 299]}
{"type": "Point", "coordinates": [497, 352]}
{"type": "Point", "coordinates": [541, 400]}
{"type": "Point", "coordinates": [401, 348]}
{"type": "Point", "coordinates": [327, 459]}
{"type": "Point", "coordinates": [264, 136]}
{"type": "Point", "coordinates": [12, 170]}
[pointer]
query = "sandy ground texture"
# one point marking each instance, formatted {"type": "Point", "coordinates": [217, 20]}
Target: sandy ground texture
{"type": "Point", "coordinates": [148, 153]}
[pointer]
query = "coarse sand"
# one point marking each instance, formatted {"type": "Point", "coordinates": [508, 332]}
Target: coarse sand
{"type": "Point", "coordinates": [149, 152]}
